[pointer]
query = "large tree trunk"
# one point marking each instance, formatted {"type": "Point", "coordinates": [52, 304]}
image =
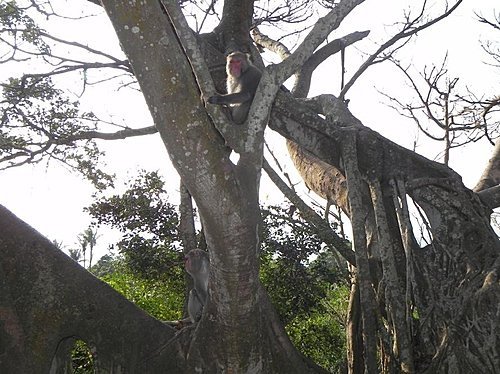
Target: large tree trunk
{"type": "Point", "coordinates": [239, 331]}
{"type": "Point", "coordinates": [448, 290]}
{"type": "Point", "coordinates": [47, 301]}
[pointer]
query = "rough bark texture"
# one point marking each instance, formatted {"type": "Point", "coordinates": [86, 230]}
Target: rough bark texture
{"type": "Point", "coordinates": [47, 301]}
{"type": "Point", "coordinates": [226, 196]}
{"type": "Point", "coordinates": [451, 284]}
{"type": "Point", "coordinates": [491, 174]}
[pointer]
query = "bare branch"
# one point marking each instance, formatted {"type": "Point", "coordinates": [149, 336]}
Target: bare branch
{"type": "Point", "coordinates": [323, 27]}
{"type": "Point", "coordinates": [459, 119]}
{"type": "Point", "coordinates": [303, 80]}
{"type": "Point", "coordinates": [289, 12]}
{"type": "Point", "coordinates": [408, 30]}
{"type": "Point", "coordinates": [121, 134]}
{"type": "Point", "coordinates": [84, 47]}
{"type": "Point", "coordinates": [495, 25]}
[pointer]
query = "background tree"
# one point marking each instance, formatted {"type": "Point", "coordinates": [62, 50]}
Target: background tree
{"type": "Point", "coordinates": [148, 222]}
{"type": "Point", "coordinates": [87, 241]}
{"type": "Point", "coordinates": [424, 298]}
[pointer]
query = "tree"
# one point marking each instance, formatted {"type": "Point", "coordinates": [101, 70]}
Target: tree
{"type": "Point", "coordinates": [87, 240]}
{"type": "Point", "coordinates": [412, 309]}
{"type": "Point", "coordinates": [150, 242]}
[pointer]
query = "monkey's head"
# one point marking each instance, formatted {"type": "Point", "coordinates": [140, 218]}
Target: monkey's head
{"type": "Point", "coordinates": [237, 63]}
{"type": "Point", "coordinates": [195, 261]}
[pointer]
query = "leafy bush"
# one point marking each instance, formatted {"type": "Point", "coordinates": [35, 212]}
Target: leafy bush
{"type": "Point", "coordinates": [163, 300]}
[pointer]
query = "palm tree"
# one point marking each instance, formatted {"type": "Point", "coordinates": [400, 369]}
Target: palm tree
{"type": "Point", "coordinates": [87, 239]}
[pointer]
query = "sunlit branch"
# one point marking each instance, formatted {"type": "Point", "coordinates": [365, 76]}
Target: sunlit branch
{"type": "Point", "coordinates": [323, 27]}
{"type": "Point", "coordinates": [303, 80]}
{"type": "Point", "coordinates": [273, 45]}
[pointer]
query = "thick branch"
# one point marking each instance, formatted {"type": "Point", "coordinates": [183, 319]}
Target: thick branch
{"type": "Point", "coordinates": [491, 174]}
{"type": "Point", "coordinates": [187, 230]}
{"type": "Point", "coordinates": [358, 219]}
{"type": "Point", "coordinates": [303, 81]}
{"type": "Point", "coordinates": [235, 25]}
{"type": "Point", "coordinates": [121, 134]}
{"type": "Point", "coordinates": [323, 27]}
{"type": "Point", "coordinates": [38, 303]}
{"type": "Point", "coordinates": [396, 305]}
{"type": "Point", "coordinates": [377, 155]}
{"type": "Point", "coordinates": [490, 196]}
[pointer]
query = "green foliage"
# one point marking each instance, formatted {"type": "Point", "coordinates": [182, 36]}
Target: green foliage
{"type": "Point", "coordinates": [290, 249]}
{"type": "Point", "coordinates": [148, 222]}
{"type": "Point", "coordinates": [163, 300]}
{"type": "Point", "coordinates": [320, 335]}
{"type": "Point", "coordinates": [106, 265]}
{"type": "Point", "coordinates": [82, 359]}
{"type": "Point", "coordinates": [37, 121]}
{"type": "Point", "coordinates": [300, 277]}
{"type": "Point", "coordinates": [149, 268]}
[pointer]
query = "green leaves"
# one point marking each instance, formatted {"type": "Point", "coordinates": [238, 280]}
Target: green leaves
{"type": "Point", "coordinates": [163, 300]}
{"type": "Point", "coordinates": [37, 121]}
{"type": "Point", "coordinates": [148, 222]}
{"type": "Point", "coordinates": [21, 27]}
{"type": "Point", "coordinates": [305, 285]}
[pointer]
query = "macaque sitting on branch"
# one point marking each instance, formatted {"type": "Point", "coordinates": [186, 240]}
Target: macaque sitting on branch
{"type": "Point", "coordinates": [197, 265]}
{"type": "Point", "coordinates": [242, 80]}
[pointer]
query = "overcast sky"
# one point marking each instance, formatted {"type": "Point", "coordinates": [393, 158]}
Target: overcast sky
{"type": "Point", "coordinates": [51, 198]}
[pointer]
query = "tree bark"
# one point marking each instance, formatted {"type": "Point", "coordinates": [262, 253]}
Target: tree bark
{"type": "Point", "coordinates": [47, 300]}
{"type": "Point", "coordinates": [491, 174]}
{"type": "Point", "coordinates": [226, 196]}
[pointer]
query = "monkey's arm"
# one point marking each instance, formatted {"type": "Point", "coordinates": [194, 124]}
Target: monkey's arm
{"type": "Point", "coordinates": [232, 98]}
{"type": "Point", "coordinates": [196, 301]}
{"type": "Point", "coordinates": [179, 324]}
{"type": "Point", "coordinates": [195, 305]}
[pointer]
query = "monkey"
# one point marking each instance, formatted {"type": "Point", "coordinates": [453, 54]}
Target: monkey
{"type": "Point", "coordinates": [197, 264]}
{"type": "Point", "coordinates": [243, 77]}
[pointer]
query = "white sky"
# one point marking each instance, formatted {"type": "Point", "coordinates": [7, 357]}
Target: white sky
{"type": "Point", "coordinates": [50, 198]}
